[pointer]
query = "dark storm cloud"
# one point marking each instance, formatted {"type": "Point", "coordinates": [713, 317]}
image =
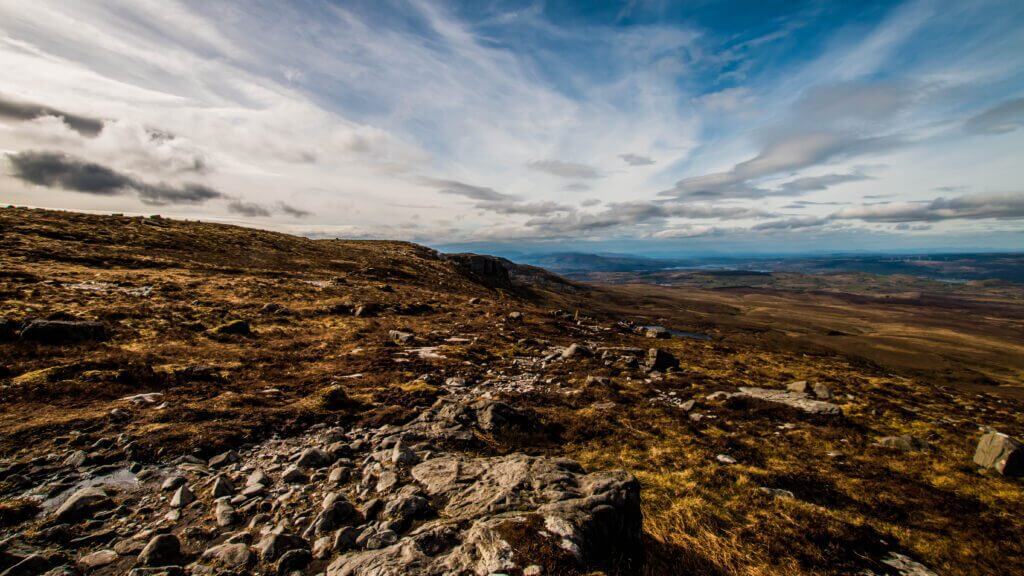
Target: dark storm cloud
{"type": "Point", "coordinates": [18, 110]}
{"type": "Point", "coordinates": [636, 160]}
{"type": "Point", "coordinates": [1000, 119]}
{"type": "Point", "coordinates": [250, 209]}
{"type": "Point", "coordinates": [292, 210]}
{"type": "Point", "coordinates": [57, 170]}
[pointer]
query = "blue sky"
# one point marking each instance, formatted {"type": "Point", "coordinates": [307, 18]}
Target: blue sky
{"type": "Point", "coordinates": [650, 126]}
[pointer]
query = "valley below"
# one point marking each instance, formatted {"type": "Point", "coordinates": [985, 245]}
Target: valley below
{"type": "Point", "coordinates": [180, 397]}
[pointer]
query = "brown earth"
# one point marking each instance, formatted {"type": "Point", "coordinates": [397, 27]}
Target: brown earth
{"type": "Point", "coordinates": [933, 366]}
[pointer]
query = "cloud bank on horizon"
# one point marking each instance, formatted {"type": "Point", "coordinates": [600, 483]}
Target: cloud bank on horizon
{"type": "Point", "coordinates": [817, 123]}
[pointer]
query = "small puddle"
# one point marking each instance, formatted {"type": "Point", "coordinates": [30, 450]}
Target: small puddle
{"type": "Point", "coordinates": [683, 333]}
{"type": "Point", "coordinates": [122, 478]}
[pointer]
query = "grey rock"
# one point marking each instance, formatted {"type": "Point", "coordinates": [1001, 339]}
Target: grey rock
{"type": "Point", "coordinates": [500, 418]}
{"type": "Point", "coordinates": [98, 559]}
{"type": "Point", "coordinates": [1000, 453]}
{"type": "Point", "coordinates": [293, 560]}
{"type": "Point", "coordinates": [173, 482]}
{"type": "Point", "coordinates": [182, 497]}
{"type": "Point", "coordinates": [224, 513]}
{"type": "Point", "coordinates": [313, 458]}
{"type": "Point", "coordinates": [274, 545]}
{"type": "Point", "coordinates": [402, 455]}
{"type": "Point", "coordinates": [222, 486]}
{"type": "Point", "coordinates": [345, 538]}
{"type": "Point", "coordinates": [294, 475]}
{"type": "Point", "coordinates": [162, 550]}
{"type": "Point", "coordinates": [338, 476]}
{"type": "Point", "coordinates": [83, 504]}
{"type": "Point", "coordinates": [229, 555]}
{"type": "Point", "coordinates": [76, 458]}
{"type": "Point", "coordinates": [659, 360]}
{"type": "Point", "coordinates": [224, 459]}
{"type": "Point", "coordinates": [258, 476]}
{"type": "Point", "coordinates": [798, 400]}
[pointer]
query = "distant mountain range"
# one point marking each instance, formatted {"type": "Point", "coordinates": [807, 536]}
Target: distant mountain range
{"type": "Point", "coordinates": [946, 267]}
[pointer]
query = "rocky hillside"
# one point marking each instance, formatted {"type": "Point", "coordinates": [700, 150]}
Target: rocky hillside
{"type": "Point", "coordinates": [190, 398]}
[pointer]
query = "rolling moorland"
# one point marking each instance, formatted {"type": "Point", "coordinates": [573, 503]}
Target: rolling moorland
{"type": "Point", "coordinates": [191, 398]}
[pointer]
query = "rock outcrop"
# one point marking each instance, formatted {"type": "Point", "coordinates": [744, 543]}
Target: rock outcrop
{"type": "Point", "coordinates": [494, 511]}
{"type": "Point", "coordinates": [490, 271]}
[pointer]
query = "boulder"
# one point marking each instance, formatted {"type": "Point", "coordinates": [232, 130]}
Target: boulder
{"type": "Point", "coordinates": [313, 458]}
{"type": "Point", "coordinates": [230, 556]}
{"type": "Point", "coordinates": [274, 545]}
{"type": "Point", "coordinates": [659, 360]}
{"type": "Point", "coordinates": [162, 550]}
{"type": "Point", "coordinates": [1000, 453]}
{"type": "Point", "coordinates": [222, 486]}
{"type": "Point", "coordinates": [182, 497]}
{"type": "Point", "coordinates": [500, 418]}
{"type": "Point", "coordinates": [64, 331]}
{"type": "Point", "coordinates": [82, 505]}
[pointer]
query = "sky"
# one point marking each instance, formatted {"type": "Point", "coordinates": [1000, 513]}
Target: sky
{"type": "Point", "coordinates": [650, 126]}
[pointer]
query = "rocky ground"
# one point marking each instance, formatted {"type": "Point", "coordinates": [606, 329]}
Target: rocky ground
{"type": "Point", "coordinates": [188, 398]}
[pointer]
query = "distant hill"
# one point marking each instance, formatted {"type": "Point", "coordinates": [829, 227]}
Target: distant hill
{"type": "Point", "coordinates": [581, 262]}
{"type": "Point", "coordinates": [945, 267]}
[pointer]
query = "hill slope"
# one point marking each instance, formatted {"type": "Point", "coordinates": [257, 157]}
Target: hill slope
{"type": "Point", "coordinates": [214, 351]}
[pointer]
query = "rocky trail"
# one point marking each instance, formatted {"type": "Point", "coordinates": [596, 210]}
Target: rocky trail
{"type": "Point", "coordinates": [397, 499]}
